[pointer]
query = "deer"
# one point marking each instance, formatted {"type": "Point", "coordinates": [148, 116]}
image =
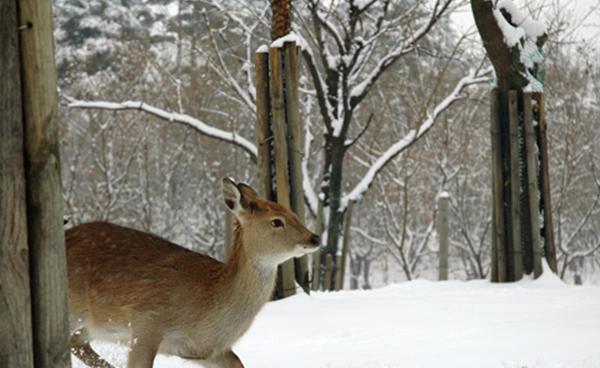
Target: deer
{"type": "Point", "coordinates": [135, 288]}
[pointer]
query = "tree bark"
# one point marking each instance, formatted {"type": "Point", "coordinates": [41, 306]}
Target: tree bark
{"type": "Point", "coordinates": [16, 348]}
{"type": "Point", "coordinates": [44, 194]}
{"type": "Point", "coordinates": [506, 61]}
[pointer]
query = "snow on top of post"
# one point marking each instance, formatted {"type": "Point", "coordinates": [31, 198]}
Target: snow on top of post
{"type": "Point", "coordinates": [443, 195]}
{"type": "Point", "coordinates": [263, 49]}
{"type": "Point", "coordinates": [290, 37]}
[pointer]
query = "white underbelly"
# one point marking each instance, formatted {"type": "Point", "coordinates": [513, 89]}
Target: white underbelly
{"type": "Point", "coordinates": [110, 332]}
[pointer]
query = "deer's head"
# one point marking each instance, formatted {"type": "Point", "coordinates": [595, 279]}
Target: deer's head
{"type": "Point", "coordinates": [269, 231]}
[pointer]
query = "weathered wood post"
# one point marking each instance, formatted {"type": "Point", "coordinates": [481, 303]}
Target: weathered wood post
{"type": "Point", "coordinates": [328, 277]}
{"type": "Point", "coordinates": [16, 348]}
{"type": "Point", "coordinates": [514, 184]}
{"type": "Point", "coordinates": [522, 214]}
{"type": "Point", "coordinates": [443, 230]}
{"type": "Point", "coordinates": [44, 189]}
{"type": "Point", "coordinates": [31, 214]}
{"type": "Point", "coordinates": [286, 279]}
{"type": "Point", "coordinates": [280, 135]}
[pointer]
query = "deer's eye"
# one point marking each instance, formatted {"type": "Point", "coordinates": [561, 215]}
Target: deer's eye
{"type": "Point", "coordinates": [276, 223]}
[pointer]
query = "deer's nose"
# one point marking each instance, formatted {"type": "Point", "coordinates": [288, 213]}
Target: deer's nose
{"type": "Point", "coordinates": [315, 239]}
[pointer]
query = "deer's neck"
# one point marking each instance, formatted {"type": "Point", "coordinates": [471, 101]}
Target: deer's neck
{"type": "Point", "coordinates": [250, 280]}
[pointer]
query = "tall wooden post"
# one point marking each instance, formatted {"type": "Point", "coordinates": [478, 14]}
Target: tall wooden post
{"type": "Point", "coordinates": [295, 144]}
{"type": "Point", "coordinates": [16, 348]}
{"type": "Point", "coordinates": [280, 135]}
{"type": "Point", "coordinates": [287, 285]}
{"type": "Point", "coordinates": [499, 253]}
{"type": "Point", "coordinates": [516, 225]}
{"type": "Point", "coordinates": [442, 228]}
{"type": "Point", "coordinates": [521, 192]}
{"type": "Point", "coordinates": [515, 185]}
{"type": "Point", "coordinates": [532, 186]}
{"type": "Point", "coordinates": [44, 198]}
{"type": "Point", "coordinates": [263, 125]}
{"type": "Point", "coordinates": [539, 113]}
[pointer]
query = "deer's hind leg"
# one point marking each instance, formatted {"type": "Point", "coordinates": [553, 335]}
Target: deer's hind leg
{"type": "Point", "coordinates": [81, 348]}
{"type": "Point", "coordinates": [226, 360]}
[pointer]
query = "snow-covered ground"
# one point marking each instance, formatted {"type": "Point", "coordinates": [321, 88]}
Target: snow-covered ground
{"type": "Point", "coordinates": [529, 324]}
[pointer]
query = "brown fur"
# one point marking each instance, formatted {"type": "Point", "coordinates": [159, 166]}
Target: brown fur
{"type": "Point", "coordinates": [134, 287]}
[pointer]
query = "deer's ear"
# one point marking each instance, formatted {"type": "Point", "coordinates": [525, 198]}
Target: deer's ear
{"type": "Point", "coordinates": [238, 197]}
{"type": "Point", "coordinates": [248, 193]}
{"type": "Point", "coordinates": [232, 196]}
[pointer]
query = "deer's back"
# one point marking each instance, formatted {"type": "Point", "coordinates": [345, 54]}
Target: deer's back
{"type": "Point", "coordinates": [117, 274]}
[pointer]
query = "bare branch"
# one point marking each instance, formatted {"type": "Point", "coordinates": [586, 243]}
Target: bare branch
{"type": "Point", "coordinates": [198, 125]}
{"type": "Point", "coordinates": [413, 135]}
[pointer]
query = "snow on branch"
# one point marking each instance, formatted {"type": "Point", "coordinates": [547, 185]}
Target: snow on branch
{"type": "Point", "coordinates": [360, 90]}
{"type": "Point", "coordinates": [413, 135]}
{"type": "Point", "coordinates": [200, 126]}
{"type": "Point", "coordinates": [518, 25]}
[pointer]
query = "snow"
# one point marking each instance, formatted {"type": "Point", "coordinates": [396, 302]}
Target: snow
{"type": "Point", "coordinates": [290, 37]}
{"type": "Point", "coordinates": [541, 323]}
{"type": "Point", "coordinates": [444, 195]}
{"type": "Point", "coordinates": [512, 35]}
{"type": "Point", "coordinates": [525, 27]}
{"type": "Point", "coordinates": [531, 27]}
{"type": "Point", "coordinates": [263, 49]}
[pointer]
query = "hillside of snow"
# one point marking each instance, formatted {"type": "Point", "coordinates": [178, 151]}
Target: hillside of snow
{"type": "Point", "coordinates": [529, 324]}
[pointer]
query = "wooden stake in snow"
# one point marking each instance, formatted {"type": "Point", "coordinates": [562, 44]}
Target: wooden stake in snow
{"type": "Point", "coordinates": [15, 319]}
{"type": "Point", "coordinates": [443, 230]}
{"type": "Point", "coordinates": [31, 203]}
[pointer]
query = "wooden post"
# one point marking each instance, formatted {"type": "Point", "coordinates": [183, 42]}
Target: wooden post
{"type": "Point", "coordinates": [515, 184]}
{"type": "Point", "coordinates": [281, 157]}
{"type": "Point", "coordinates": [16, 348]}
{"type": "Point", "coordinates": [328, 271]}
{"type": "Point", "coordinates": [316, 257]}
{"type": "Point", "coordinates": [295, 149]}
{"type": "Point", "coordinates": [498, 224]}
{"type": "Point", "coordinates": [44, 196]}
{"type": "Point", "coordinates": [339, 282]}
{"type": "Point", "coordinates": [532, 185]}
{"type": "Point", "coordinates": [264, 135]}
{"type": "Point", "coordinates": [442, 225]}
{"type": "Point", "coordinates": [549, 247]}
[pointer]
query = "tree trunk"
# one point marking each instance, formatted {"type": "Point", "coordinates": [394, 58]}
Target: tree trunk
{"type": "Point", "coordinates": [44, 194]}
{"type": "Point", "coordinates": [15, 318]}
{"type": "Point", "coordinates": [335, 222]}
